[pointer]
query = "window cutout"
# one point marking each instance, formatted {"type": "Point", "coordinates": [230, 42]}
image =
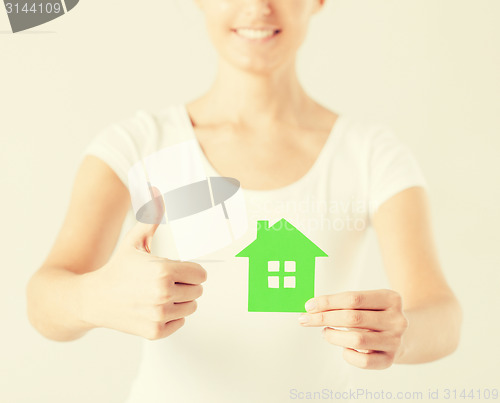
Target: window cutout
{"type": "Point", "coordinates": [289, 265]}
{"type": "Point", "coordinates": [273, 281]}
{"type": "Point", "coordinates": [273, 265]}
{"type": "Point", "coordinates": [289, 281]}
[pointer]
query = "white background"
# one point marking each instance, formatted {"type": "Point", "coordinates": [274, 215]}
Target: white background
{"type": "Point", "coordinates": [430, 69]}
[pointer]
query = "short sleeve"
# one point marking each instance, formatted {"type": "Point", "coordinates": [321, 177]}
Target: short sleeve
{"type": "Point", "coordinates": [392, 168]}
{"type": "Point", "coordinates": [121, 144]}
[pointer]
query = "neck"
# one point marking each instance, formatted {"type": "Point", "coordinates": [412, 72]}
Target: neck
{"type": "Point", "coordinates": [251, 99]}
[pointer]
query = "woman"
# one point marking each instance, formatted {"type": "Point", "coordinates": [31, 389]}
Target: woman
{"type": "Point", "coordinates": [256, 124]}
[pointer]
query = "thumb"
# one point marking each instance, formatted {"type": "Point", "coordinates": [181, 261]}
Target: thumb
{"type": "Point", "coordinates": [141, 234]}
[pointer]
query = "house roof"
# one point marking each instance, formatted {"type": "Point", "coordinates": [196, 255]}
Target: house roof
{"type": "Point", "coordinates": [279, 239]}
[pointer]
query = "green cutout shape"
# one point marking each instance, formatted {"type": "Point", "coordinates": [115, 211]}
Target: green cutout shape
{"type": "Point", "coordinates": [292, 284]}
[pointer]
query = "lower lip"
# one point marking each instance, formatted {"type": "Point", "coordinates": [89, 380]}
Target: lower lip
{"type": "Point", "coordinates": [256, 40]}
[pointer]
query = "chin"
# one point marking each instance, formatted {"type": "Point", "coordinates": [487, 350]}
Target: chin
{"type": "Point", "coordinates": [254, 65]}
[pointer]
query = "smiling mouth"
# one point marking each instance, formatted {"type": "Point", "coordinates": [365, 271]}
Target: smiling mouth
{"type": "Point", "coordinates": [256, 34]}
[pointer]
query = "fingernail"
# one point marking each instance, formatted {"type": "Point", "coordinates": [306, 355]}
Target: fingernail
{"type": "Point", "coordinates": [310, 305]}
{"type": "Point", "coordinates": [303, 319]}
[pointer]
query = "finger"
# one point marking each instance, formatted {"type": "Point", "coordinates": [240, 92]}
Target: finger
{"type": "Point", "coordinates": [360, 340]}
{"type": "Point", "coordinates": [161, 330]}
{"type": "Point", "coordinates": [189, 273]}
{"type": "Point", "coordinates": [369, 299]}
{"type": "Point", "coordinates": [186, 292]}
{"type": "Point", "coordinates": [372, 320]}
{"type": "Point", "coordinates": [141, 234]}
{"type": "Point", "coordinates": [159, 204]}
{"type": "Point", "coordinates": [372, 360]}
{"type": "Point", "coordinates": [181, 310]}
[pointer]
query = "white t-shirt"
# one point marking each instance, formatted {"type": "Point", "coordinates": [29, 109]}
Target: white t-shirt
{"type": "Point", "coordinates": [224, 353]}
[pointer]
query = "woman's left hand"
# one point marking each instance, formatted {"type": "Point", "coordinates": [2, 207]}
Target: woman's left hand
{"type": "Point", "coordinates": [374, 320]}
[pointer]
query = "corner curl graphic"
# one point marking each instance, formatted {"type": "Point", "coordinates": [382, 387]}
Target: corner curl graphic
{"type": "Point", "coordinates": [26, 14]}
{"type": "Point", "coordinates": [204, 213]}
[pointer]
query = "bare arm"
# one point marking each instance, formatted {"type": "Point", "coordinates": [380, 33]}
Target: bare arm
{"type": "Point", "coordinates": [56, 292]}
{"type": "Point", "coordinates": [418, 320]}
{"type": "Point", "coordinates": [404, 233]}
{"type": "Point", "coordinates": [79, 287]}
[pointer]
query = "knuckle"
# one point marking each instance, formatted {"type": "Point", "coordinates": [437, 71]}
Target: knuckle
{"type": "Point", "coordinates": [163, 269]}
{"type": "Point", "coordinates": [395, 298]}
{"type": "Point", "coordinates": [359, 340]}
{"type": "Point", "coordinates": [365, 360]}
{"type": "Point", "coordinates": [169, 275]}
{"type": "Point", "coordinates": [160, 270]}
{"type": "Point", "coordinates": [402, 324]}
{"type": "Point", "coordinates": [355, 300]}
{"type": "Point", "coordinates": [203, 274]}
{"type": "Point", "coordinates": [355, 318]}
{"type": "Point", "coordinates": [167, 269]}
{"type": "Point", "coordinates": [320, 317]}
{"type": "Point", "coordinates": [160, 313]}
{"type": "Point", "coordinates": [387, 360]}
{"type": "Point", "coordinates": [325, 303]}
{"type": "Point", "coordinates": [163, 293]}
{"type": "Point", "coordinates": [155, 331]}
{"type": "Point", "coordinates": [321, 303]}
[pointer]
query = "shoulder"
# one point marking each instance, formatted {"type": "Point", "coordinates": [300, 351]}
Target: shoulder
{"type": "Point", "coordinates": [143, 122]}
{"type": "Point", "coordinates": [365, 130]}
{"type": "Point", "coordinates": [362, 138]}
{"type": "Point", "coordinates": [143, 129]}
{"type": "Point", "coordinates": [129, 139]}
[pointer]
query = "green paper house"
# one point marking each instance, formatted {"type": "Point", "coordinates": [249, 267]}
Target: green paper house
{"type": "Point", "coordinates": [281, 268]}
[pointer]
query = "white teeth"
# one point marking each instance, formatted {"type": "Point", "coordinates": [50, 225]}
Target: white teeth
{"type": "Point", "coordinates": [255, 33]}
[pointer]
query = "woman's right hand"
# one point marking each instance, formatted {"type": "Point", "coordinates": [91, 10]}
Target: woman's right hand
{"type": "Point", "coordinates": [139, 293]}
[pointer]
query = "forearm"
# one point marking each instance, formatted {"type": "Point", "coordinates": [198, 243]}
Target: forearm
{"type": "Point", "coordinates": [433, 331]}
{"type": "Point", "coordinates": [55, 302]}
